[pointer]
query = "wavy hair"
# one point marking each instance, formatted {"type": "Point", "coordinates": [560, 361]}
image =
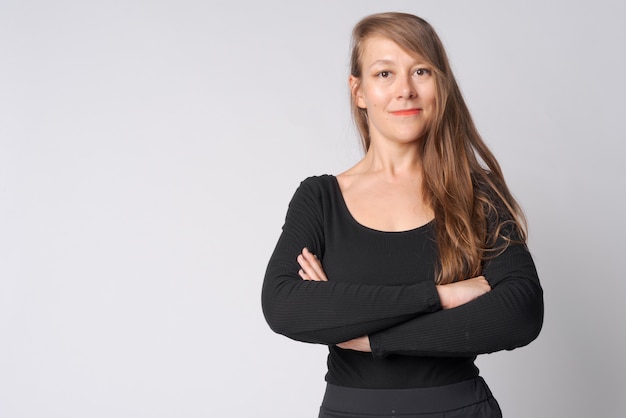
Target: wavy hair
{"type": "Point", "coordinates": [476, 216]}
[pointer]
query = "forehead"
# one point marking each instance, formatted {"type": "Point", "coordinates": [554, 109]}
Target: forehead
{"type": "Point", "coordinates": [381, 49]}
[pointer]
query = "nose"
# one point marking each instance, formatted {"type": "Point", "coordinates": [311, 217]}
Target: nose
{"type": "Point", "coordinates": [406, 89]}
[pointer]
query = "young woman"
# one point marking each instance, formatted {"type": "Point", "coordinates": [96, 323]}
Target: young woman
{"type": "Point", "coordinates": [411, 263]}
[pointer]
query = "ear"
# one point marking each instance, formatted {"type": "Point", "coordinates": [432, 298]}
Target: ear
{"type": "Point", "coordinates": [355, 90]}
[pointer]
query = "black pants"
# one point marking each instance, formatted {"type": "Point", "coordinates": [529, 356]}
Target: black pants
{"type": "Point", "coordinates": [468, 399]}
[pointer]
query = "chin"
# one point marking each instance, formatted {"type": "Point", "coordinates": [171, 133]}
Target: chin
{"type": "Point", "coordinates": [411, 138]}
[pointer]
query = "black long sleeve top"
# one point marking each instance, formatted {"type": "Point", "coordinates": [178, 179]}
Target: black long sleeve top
{"type": "Point", "coordinates": [382, 284]}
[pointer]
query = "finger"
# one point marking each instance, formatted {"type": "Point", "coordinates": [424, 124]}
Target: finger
{"type": "Point", "coordinates": [304, 276]}
{"type": "Point", "coordinates": [308, 271]}
{"type": "Point", "coordinates": [307, 277]}
{"type": "Point", "coordinates": [318, 269]}
{"type": "Point", "coordinates": [344, 345]}
{"type": "Point", "coordinates": [315, 264]}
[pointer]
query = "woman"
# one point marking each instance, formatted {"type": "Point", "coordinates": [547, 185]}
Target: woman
{"type": "Point", "coordinates": [411, 263]}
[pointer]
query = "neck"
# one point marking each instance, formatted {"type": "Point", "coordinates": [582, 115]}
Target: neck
{"type": "Point", "coordinates": [393, 161]}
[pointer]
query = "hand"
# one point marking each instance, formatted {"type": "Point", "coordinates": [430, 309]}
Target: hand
{"type": "Point", "coordinates": [458, 293]}
{"type": "Point", "coordinates": [357, 344]}
{"type": "Point", "coordinates": [310, 267]}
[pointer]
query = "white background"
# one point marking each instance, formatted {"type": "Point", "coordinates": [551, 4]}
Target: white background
{"type": "Point", "coordinates": [148, 150]}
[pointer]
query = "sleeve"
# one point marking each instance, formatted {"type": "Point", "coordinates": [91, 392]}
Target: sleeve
{"type": "Point", "coordinates": [335, 311]}
{"type": "Point", "coordinates": [509, 316]}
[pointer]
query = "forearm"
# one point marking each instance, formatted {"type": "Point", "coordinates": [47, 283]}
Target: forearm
{"type": "Point", "coordinates": [332, 312]}
{"type": "Point", "coordinates": [509, 316]}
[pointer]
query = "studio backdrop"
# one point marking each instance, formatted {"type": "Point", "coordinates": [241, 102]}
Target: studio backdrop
{"type": "Point", "coordinates": [149, 149]}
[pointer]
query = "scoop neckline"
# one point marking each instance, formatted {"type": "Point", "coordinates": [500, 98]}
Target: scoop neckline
{"type": "Point", "coordinates": [345, 208]}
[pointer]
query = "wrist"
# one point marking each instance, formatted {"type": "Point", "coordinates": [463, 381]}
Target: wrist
{"type": "Point", "coordinates": [443, 292]}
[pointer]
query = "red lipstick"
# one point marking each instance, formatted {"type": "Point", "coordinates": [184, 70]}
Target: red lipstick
{"type": "Point", "coordinates": [407, 112]}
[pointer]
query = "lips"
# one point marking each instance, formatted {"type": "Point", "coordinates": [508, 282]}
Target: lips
{"type": "Point", "coordinates": [406, 112]}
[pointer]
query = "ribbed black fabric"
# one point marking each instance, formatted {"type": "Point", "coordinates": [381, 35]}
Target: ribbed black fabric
{"type": "Point", "coordinates": [381, 284]}
{"type": "Point", "coordinates": [466, 399]}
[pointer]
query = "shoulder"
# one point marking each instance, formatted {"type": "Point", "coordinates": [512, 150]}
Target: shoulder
{"type": "Point", "coordinates": [322, 180]}
{"type": "Point", "coordinates": [492, 194]}
{"type": "Point", "coordinates": [499, 208]}
{"type": "Point", "coordinates": [313, 197]}
{"type": "Point", "coordinates": [317, 186]}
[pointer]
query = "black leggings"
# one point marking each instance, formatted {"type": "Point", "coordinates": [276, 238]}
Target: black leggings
{"type": "Point", "coordinates": [469, 399]}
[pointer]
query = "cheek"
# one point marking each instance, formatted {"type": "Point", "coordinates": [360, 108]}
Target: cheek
{"type": "Point", "coordinates": [428, 101]}
{"type": "Point", "coordinates": [430, 93]}
{"type": "Point", "coordinates": [373, 95]}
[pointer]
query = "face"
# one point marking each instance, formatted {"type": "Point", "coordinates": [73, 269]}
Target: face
{"type": "Point", "coordinates": [397, 89]}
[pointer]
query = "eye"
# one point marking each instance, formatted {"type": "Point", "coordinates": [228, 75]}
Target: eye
{"type": "Point", "coordinates": [383, 74]}
{"type": "Point", "coordinates": [422, 71]}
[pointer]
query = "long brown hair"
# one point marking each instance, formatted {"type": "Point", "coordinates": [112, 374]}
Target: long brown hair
{"type": "Point", "coordinates": [476, 215]}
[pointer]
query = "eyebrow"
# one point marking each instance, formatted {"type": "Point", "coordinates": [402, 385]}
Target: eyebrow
{"type": "Point", "coordinates": [384, 62]}
{"type": "Point", "coordinates": [389, 62]}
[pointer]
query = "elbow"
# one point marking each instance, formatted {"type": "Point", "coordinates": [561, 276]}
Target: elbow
{"type": "Point", "coordinates": [277, 323]}
{"type": "Point", "coordinates": [286, 317]}
{"type": "Point", "coordinates": [271, 313]}
{"type": "Point", "coordinates": [278, 314]}
{"type": "Point", "coordinates": [529, 331]}
{"type": "Point", "coordinates": [530, 320]}
{"type": "Point", "coordinates": [535, 322]}
{"type": "Point", "coordinates": [283, 323]}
